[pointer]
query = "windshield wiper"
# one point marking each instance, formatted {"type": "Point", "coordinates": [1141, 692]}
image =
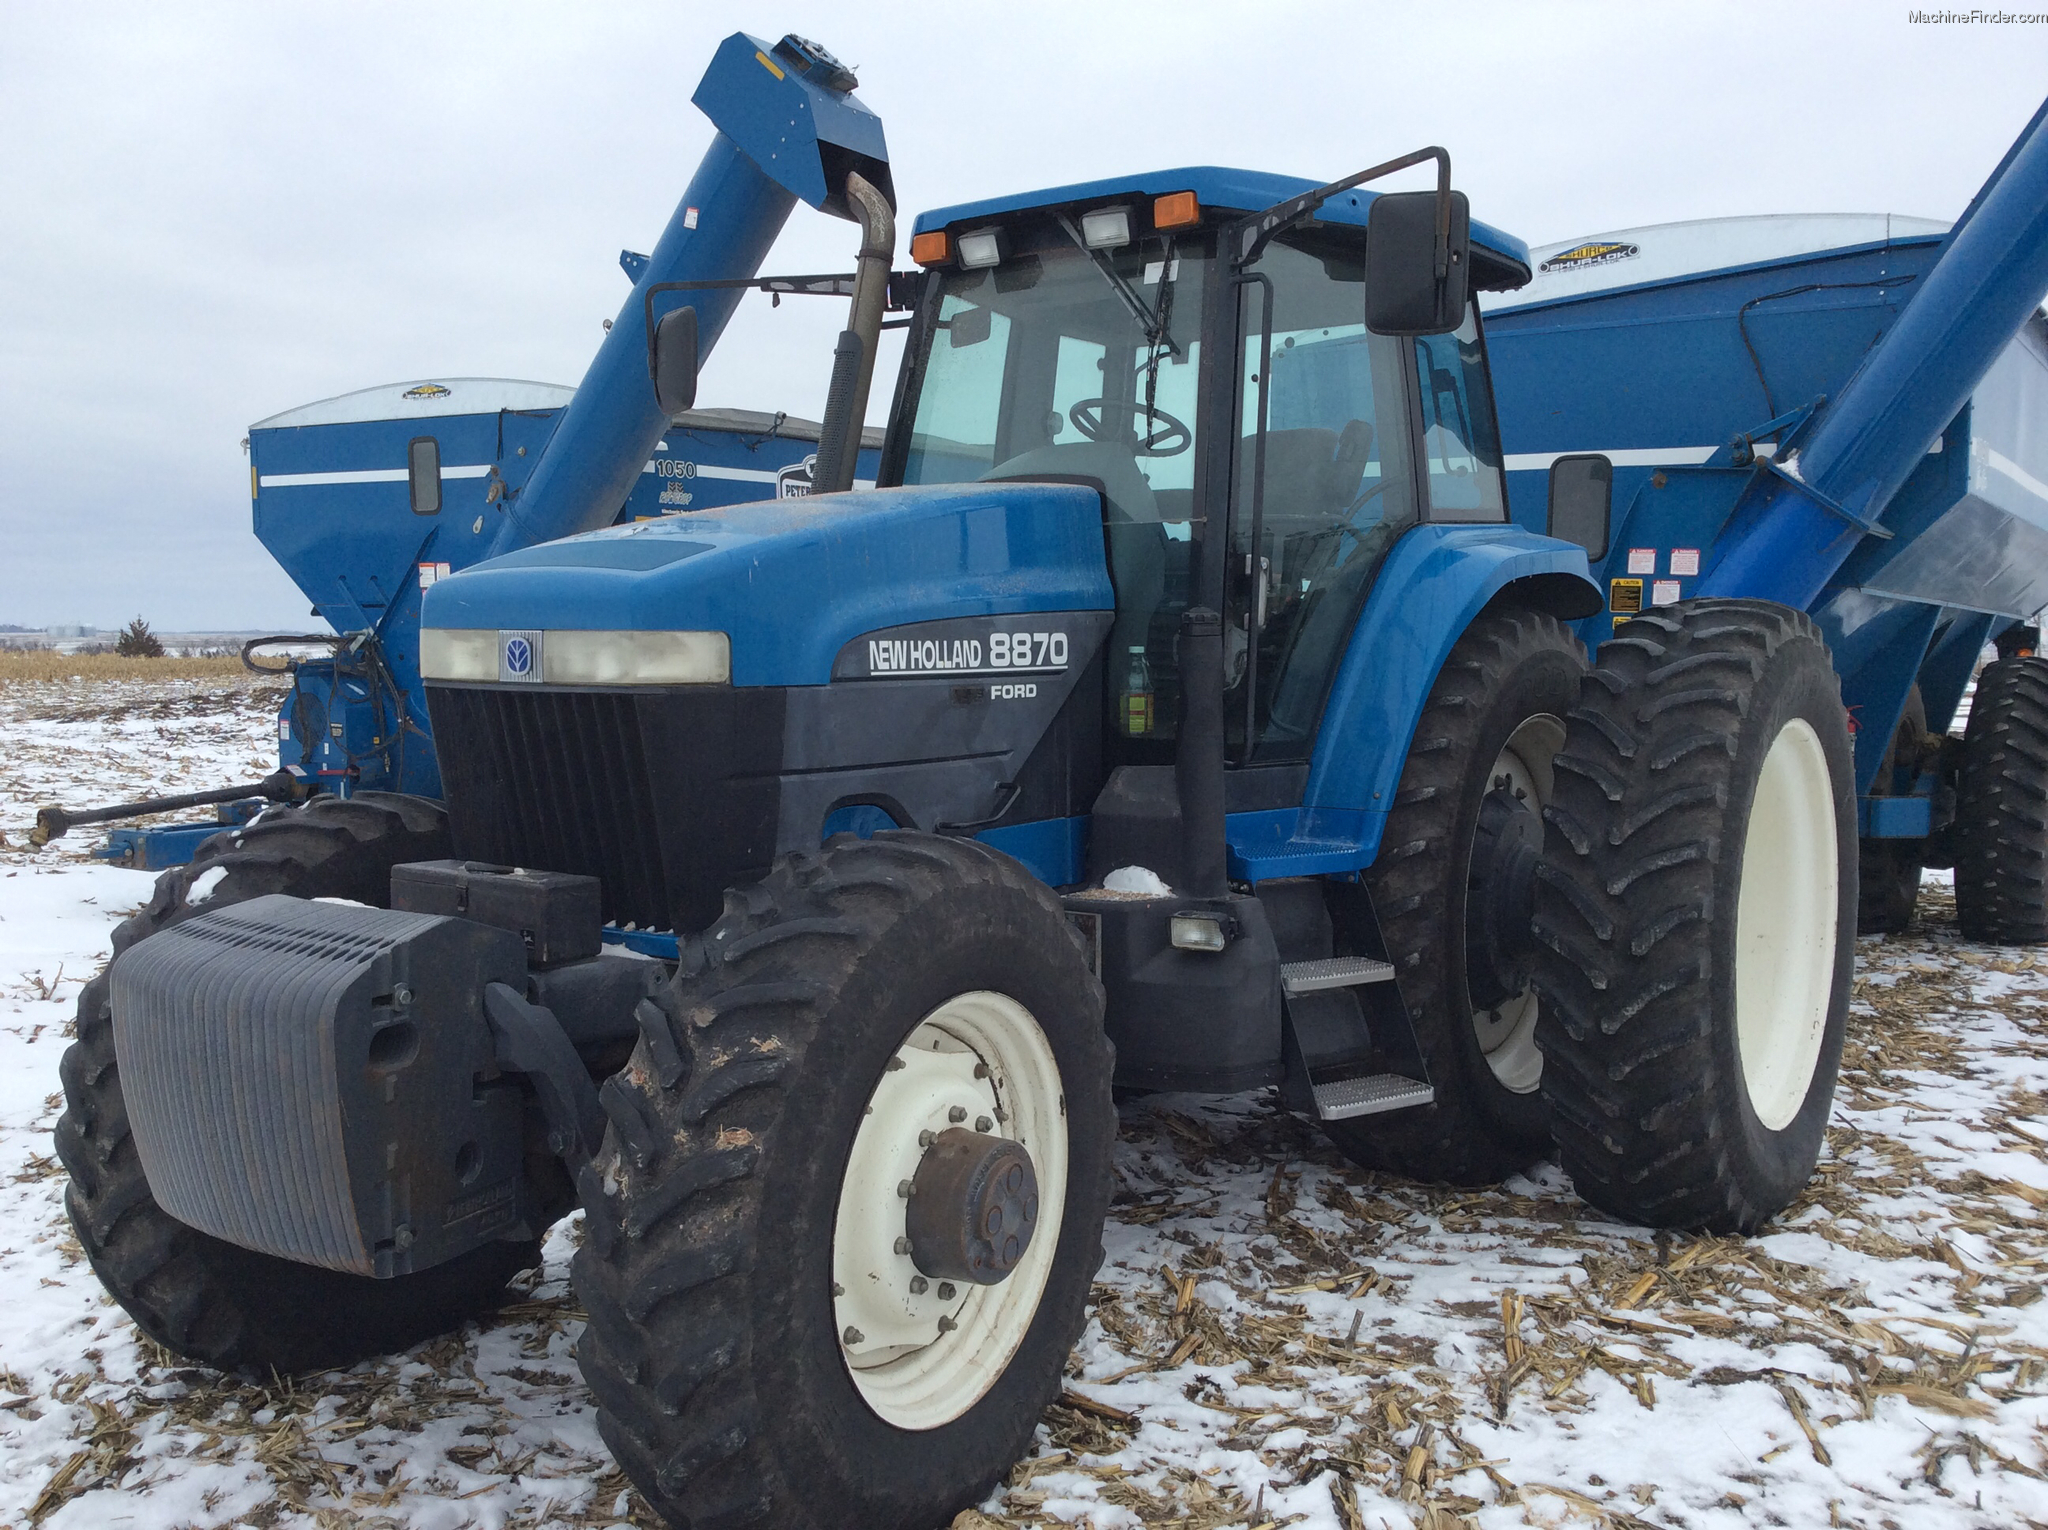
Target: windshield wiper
{"type": "Point", "coordinates": [1153, 324]}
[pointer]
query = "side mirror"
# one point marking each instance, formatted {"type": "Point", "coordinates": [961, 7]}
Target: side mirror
{"type": "Point", "coordinates": [423, 474]}
{"type": "Point", "coordinates": [672, 360]}
{"type": "Point", "coordinates": [1402, 294]}
{"type": "Point", "coordinates": [1582, 501]}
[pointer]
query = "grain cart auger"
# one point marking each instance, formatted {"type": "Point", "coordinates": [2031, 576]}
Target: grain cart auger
{"type": "Point", "coordinates": [365, 499]}
{"type": "Point", "coordinates": [1182, 711]}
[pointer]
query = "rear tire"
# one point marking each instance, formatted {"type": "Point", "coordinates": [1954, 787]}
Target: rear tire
{"type": "Point", "coordinates": [1695, 913]}
{"type": "Point", "coordinates": [200, 1297]}
{"type": "Point", "coordinates": [735, 1381]}
{"type": "Point", "coordinates": [2001, 824]}
{"type": "Point", "coordinates": [1888, 870]}
{"type": "Point", "coordinates": [1497, 710]}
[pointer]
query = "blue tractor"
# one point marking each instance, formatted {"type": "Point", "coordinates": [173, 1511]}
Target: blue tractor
{"type": "Point", "coordinates": [1183, 710]}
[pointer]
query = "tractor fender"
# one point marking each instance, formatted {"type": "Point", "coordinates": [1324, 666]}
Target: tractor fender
{"type": "Point", "coordinates": [1435, 581]}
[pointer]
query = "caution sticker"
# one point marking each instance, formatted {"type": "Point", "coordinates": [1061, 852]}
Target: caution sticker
{"type": "Point", "coordinates": [1685, 562]}
{"type": "Point", "coordinates": [1625, 596]}
{"type": "Point", "coordinates": [1664, 593]}
{"type": "Point", "coordinates": [1642, 560]}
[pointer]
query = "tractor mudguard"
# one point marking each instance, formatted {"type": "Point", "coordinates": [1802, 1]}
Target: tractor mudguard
{"type": "Point", "coordinates": [1436, 580]}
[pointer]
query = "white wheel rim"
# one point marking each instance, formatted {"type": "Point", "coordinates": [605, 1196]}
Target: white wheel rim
{"type": "Point", "coordinates": [1785, 916]}
{"type": "Point", "coordinates": [1507, 1033]}
{"type": "Point", "coordinates": [913, 1374]}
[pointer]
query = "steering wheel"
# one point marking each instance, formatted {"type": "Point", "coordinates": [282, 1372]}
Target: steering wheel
{"type": "Point", "coordinates": [1169, 440]}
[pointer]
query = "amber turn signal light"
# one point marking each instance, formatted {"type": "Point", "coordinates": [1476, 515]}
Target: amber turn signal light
{"type": "Point", "coordinates": [930, 248]}
{"type": "Point", "coordinates": [1176, 209]}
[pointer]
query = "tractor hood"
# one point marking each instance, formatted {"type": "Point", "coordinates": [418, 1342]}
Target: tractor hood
{"type": "Point", "coordinates": [792, 581]}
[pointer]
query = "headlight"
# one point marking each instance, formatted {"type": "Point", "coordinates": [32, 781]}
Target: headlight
{"type": "Point", "coordinates": [576, 658]}
{"type": "Point", "coordinates": [637, 658]}
{"type": "Point", "coordinates": [454, 653]}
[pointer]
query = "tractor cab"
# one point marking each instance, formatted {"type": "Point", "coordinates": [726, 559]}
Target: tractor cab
{"type": "Point", "coordinates": [1094, 334]}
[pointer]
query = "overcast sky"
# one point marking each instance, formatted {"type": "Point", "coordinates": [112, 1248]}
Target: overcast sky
{"type": "Point", "coordinates": [213, 213]}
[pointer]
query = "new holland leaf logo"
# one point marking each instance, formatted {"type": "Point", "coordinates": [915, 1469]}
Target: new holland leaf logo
{"type": "Point", "coordinates": [1599, 252]}
{"type": "Point", "coordinates": [426, 390]}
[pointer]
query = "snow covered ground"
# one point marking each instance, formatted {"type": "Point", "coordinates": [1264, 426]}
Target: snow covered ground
{"type": "Point", "coordinates": [1278, 1338]}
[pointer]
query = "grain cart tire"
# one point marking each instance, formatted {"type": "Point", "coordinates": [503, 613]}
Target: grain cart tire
{"type": "Point", "coordinates": [1492, 721]}
{"type": "Point", "coordinates": [1888, 870]}
{"type": "Point", "coordinates": [1696, 916]}
{"type": "Point", "coordinates": [200, 1297]}
{"type": "Point", "coordinates": [2001, 825]}
{"type": "Point", "coordinates": [763, 1349]}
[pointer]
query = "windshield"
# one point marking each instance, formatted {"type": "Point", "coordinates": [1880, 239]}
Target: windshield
{"type": "Point", "coordinates": [1069, 363]}
{"type": "Point", "coordinates": [1063, 362]}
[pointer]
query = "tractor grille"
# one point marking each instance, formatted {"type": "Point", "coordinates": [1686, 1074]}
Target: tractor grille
{"type": "Point", "coordinates": [666, 797]}
{"type": "Point", "coordinates": [556, 780]}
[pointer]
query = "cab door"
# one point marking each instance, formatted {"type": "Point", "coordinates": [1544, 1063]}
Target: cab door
{"type": "Point", "coordinates": [1322, 481]}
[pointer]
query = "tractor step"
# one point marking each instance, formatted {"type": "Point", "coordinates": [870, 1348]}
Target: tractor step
{"type": "Point", "coordinates": [1369, 1096]}
{"type": "Point", "coordinates": [1333, 972]}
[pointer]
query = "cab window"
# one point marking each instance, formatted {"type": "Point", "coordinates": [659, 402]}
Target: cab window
{"type": "Point", "coordinates": [1335, 487]}
{"type": "Point", "coordinates": [1460, 438]}
{"type": "Point", "coordinates": [1063, 362]}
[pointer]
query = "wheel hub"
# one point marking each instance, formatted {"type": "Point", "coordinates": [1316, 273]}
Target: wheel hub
{"type": "Point", "coordinates": [946, 1231]}
{"type": "Point", "coordinates": [1500, 898]}
{"type": "Point", "coordinates": [973, 1207]}
{"type": "Point", "coordinates": [1500, 885]}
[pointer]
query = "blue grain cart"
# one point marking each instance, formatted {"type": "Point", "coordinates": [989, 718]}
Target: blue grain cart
{"type": "Point", "coordinates": [337, 506]}
{"type": "Point", "coordinates": [1183, 709]}
{"type": "Point", "coordinates": [1677, 359]}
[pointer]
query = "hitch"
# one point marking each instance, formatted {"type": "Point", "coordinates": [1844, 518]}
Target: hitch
{"type": "Point", "coordinates": [55, 822]}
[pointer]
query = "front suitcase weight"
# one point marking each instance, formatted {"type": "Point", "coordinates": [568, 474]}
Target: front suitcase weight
{"type": "Point", "coordinates": [316, 1081]}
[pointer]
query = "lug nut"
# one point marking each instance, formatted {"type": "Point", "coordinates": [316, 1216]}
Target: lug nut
{"type": "Point", "coordinates": [853, 1336]}
{"type": "Point", "coordinates": [983, 1125]}
{"type": "Point", "coordinates": [919, 1285]}
{"type": "Point", "coordinates": [837, 1290]}
{"type": "Point", "coordinates": [401, 994]}
{"type": "Point", "coordinates": [902, 1245]}
{"type": "Point", "coordinates": [981, 1070]}
{"type": "Point", "coordinates": [957, 1114]}
{"type": "Point", "coordinates": [945, 1290]}
{"type": "Point", "coordinates": [927, 1137]}
{"type": "Point", "coordinates": [947, 1325]}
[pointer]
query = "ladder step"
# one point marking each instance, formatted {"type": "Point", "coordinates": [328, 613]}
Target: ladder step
{"type": "Point", "coordinates": [1369, 1096]}
{"type": "Point", "coordinates": [1333, 972]}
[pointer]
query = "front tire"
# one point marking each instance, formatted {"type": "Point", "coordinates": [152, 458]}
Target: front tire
{"type": "Point", "coordinates": [1696, 916]}
{"type": "Point", "coordinates": [762, 1349]}
{"type": "Point", "coordinates": [1492, 722]}
{"type": "Point", "coordinates": [199, 1296]}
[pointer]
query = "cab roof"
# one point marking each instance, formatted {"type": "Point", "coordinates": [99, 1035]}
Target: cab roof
{"type": "Point", "coordinates": [1505, 267]}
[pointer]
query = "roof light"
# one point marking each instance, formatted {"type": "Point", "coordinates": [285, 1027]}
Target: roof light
{"type": "Point", "coordinates": [983, 247]}
{"type": "Point", "coordinates": [1177, 209]}
{"type": "Point", "coordinates": [929, 249]}
{"type": "Point", "coordinates": [1107, 228]}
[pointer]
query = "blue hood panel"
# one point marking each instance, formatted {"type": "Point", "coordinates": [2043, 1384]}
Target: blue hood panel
{"type": "Point", "coordinates": [791, 581]}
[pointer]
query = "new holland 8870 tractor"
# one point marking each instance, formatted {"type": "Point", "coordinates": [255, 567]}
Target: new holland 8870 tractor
{"type": "Point", "coordinates": [1191, 553]}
